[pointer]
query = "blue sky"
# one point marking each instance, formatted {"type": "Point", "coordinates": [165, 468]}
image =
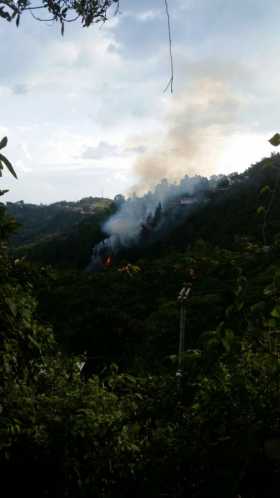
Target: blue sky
{"type": "Point", "coordinates": [86, 114]}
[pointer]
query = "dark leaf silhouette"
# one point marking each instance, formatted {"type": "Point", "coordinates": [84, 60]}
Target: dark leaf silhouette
{"type": "Point", "coordinates": [3, 142]}
{"type": "Point", "coordinates": [7, 163]}
{"type": "Point", "coordinates": [275, 140]}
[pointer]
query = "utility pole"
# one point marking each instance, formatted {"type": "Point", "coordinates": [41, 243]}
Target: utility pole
{"type": "Point", "coordinates": [182, 300]}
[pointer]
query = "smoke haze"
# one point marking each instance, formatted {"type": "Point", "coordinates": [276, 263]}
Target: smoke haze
{"type": "Point", "coordinates": [169, 184]}
{"type": "Point", "coordinates": [198, 121]}
{"type": "Point", "coordinates": [144, 220]}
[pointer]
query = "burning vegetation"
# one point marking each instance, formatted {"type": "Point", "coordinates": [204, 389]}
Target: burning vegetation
{"type": "Point", "coordinates": [141, 221]}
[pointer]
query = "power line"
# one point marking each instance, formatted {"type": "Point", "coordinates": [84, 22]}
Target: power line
{"type": "Point", "coordinates": [170, 83]}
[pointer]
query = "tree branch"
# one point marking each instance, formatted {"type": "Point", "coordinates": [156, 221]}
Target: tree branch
{"type": "Point", "coordinates": [89, 11]}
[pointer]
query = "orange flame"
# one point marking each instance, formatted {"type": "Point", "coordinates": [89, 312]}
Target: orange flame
{"type": "Point", "coordinates": [108, 261]}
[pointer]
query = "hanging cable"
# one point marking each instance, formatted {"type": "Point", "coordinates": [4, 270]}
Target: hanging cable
{"type": "Point", "coordinates": [170, 83]}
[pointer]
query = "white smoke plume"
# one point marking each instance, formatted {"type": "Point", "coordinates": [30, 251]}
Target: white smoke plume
{"type": "Point", "coordinates": [198, 120]}
{"type": "Point", "coordinates": [143, 220]}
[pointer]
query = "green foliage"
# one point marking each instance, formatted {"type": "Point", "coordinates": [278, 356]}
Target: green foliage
{"type": "Point", "coordinates": [261, 210]}
{"type": "Point", "coordinates": [265, 190]}
{"type": "Point", "coordinates": [275, 140]}
{"type": "Point", "coordinates": [230, 215]}
{"type": "Point", "coordinates": [61, 234]}
{"type": "Point", "coordinates": [129, 426]}
{"type": "Point", "coordinates": [87, 11]}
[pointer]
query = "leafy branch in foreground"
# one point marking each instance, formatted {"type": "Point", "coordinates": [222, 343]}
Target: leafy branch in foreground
{"type": "Point", "coordinates": [62, 11]}
{"type": "Point", "coordinates": [264, 211]}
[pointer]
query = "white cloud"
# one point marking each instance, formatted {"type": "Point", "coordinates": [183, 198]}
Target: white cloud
{"type": "Point", "coordinates": [103, 149]}
{"type": "Point", "coordinates": [92, 102]}
{"type": "Point", "coordinates": [148, 15]}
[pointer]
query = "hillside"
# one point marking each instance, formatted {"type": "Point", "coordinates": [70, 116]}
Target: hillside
{"type": "Point", "coordinates": [139, 335]}
{"type": "Point", "coordinates": [219, 236]}
{"type": "Point", "coordinates": [93, 381]}
{"type": "Point", "coordinates": [60, 233]}
{"type": "Point", "coordinates": [222, 211]}
{"type": "Point", "coordinates": [241, 208]}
